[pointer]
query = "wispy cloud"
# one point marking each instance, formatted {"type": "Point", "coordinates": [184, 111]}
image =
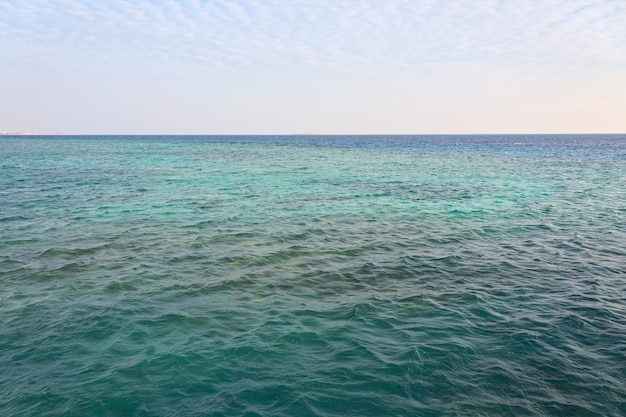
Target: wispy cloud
{"type": "Point", "coordinates": [236, 34]}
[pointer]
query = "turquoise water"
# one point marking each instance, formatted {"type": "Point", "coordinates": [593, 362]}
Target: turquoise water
{"type": "Point", "coordinates": [313, 276]}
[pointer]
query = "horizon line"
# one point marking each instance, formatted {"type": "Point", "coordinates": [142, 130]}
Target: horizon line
{"type": "Point", "coordinates": [28, 133]}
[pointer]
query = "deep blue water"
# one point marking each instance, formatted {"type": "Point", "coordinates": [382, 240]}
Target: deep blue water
{"type": "Point", "coordinates": [313, 275]}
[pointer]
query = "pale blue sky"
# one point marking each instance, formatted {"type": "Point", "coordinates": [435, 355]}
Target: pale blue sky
{"type": "Point", "coordinates": [272, 67]}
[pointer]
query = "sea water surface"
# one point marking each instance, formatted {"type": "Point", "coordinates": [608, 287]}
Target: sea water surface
{"type": "Point", "coordinates": [313, 276]}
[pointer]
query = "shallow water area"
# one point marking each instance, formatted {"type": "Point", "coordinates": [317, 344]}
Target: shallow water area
{"type": "Point", "coordinates": [313, 275]}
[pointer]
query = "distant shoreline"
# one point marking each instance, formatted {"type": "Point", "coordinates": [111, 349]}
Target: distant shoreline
{"type": "Point", "coordinates": [7, 133]}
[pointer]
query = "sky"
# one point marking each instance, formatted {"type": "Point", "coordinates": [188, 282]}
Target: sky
{"type": "Point", "coordinates": [313, 67]}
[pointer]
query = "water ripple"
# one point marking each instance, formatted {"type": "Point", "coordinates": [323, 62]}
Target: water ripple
{"type": "Point", "coordinates": [250, 276]}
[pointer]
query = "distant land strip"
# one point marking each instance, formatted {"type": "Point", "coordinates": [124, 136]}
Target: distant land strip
{"type": "Point", "coordinates": [9, 133]}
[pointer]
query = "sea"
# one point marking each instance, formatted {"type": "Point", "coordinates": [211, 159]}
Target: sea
{"type": "Point", "coordinates": [445, 275]}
